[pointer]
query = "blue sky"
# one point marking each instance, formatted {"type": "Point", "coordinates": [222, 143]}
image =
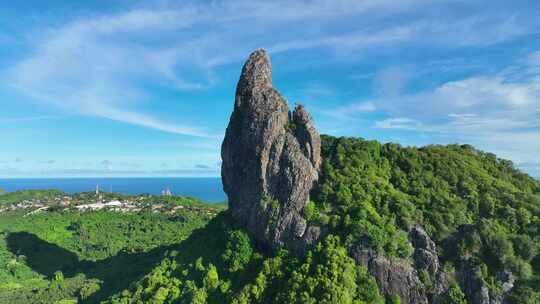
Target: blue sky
{"type": "Point", "coordinates": [115, 88]}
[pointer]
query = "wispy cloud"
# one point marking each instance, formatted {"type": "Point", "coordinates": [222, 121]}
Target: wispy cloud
{"type": "Point", "coordinates": [507, 100]}
{"type": "Point", "coordinates": [27, 119]}
{"type": "Point", "coordinates": [95, 65]}
{"type": "Point", "coordinates": [498, 112]}
{"type": "Point", "coordinates": [400, 123]}
{"type": "Point", "coordinates": [81, 67]}
{"type": "Point", "coordinates": [203, 166]}
{"type": "Point", "coordinates": [350, 111]}
{"type": "Point", "coordinates": [10, 172]}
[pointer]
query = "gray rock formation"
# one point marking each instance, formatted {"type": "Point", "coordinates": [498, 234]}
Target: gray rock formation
{"type": "Point", "coordinates": [401, 276]}
{"type": "Point", "coordinates": [393, 276]}
{"type": "Point", "coordinates": [473, 284]}
{"type": "Point", "coordinates": [477, 289]}
{"type": "Point", "coordinates": [426, 259]}
{"type": "Point", "coordinates": [271, 159]}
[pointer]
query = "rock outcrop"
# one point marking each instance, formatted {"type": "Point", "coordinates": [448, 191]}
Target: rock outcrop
{"type": "Point", "coordinates": [271, 159]}
{"type": "Point", "coordinates": [393, 276]}
{"type": "Point", "coordinates": [473, 284]}
{"type": "Point", "coordinates": [426, 259]}
{"type": "Point", "coordinates": [401, 276]}
{"type": "Point", "coordinates": [477, 289]}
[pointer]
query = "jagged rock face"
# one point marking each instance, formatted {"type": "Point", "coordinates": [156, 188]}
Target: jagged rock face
{"type": "Point", "coordinates": [400, 276]}
{"type": "Point", "coordinates": [393, 276]}
{"type": "Point", "coordinates": [425, 253]}
{"type": "Point", "coordinates": [426, 259]}
{"type": "Point", "coordinates": [476, 288]}
{"type": "Point", "coordinates": [473, 285]}
{"type": "Point", "coordinates": [270, 161]}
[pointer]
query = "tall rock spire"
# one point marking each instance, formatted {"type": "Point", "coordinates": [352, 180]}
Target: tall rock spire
{"type": "Point", "coordinates": [270, 161]}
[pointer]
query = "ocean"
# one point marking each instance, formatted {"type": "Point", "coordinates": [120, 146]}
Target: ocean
{"type": "Point", "coordinates": [206, 189]}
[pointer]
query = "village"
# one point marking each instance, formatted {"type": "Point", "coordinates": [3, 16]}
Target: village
{"type": "Point", "coordinates": [114, 202]}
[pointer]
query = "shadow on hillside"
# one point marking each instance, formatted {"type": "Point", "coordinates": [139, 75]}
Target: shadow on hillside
{"type": "Point", "coordinates": [119, 271]}
{"type": "Point", "coordinates": [116, 272]}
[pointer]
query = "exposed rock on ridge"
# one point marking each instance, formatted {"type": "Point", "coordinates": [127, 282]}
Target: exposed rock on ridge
{"type": "Point", "coordinates": [271, 159]}
{"type": "Point", "coordinates": [477, 289]}
{"type": "Point", "coordinates": [393, 276]}
{"type": "Point", "coordinates": [401, 276]}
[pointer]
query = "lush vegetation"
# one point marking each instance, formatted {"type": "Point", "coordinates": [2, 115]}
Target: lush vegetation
{"type": "Point", "coordinates": [51, 256]}
{"type": "Point", "coordinates": [472, 203]}
{"type": "Point", "coordinates": [475, 206]}
{"type": "Point", "coordinates": [220, 265]}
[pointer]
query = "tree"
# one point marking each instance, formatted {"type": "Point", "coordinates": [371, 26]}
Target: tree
{"type": "Point", "coordinates": [211, 278]}
{"type": "Point", "coordinates": [454, 295]}
{"type": "Point", "coordinates": [238, 250]}
{"type": "Point", "coordinates": [394, 300]}
{"type": "Point", "coordinates": [329, 275]}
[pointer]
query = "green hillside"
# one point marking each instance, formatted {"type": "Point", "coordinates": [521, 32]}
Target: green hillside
{"type": "Point", "coordinates": [22, 195]}
{"type": "Point", "coordinates": [471, 203]}
{"type": "Point", "coordinates": [86, 256]}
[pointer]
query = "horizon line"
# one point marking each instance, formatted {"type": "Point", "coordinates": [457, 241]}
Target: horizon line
{"type": "Point", "coordinates": [81, 177]}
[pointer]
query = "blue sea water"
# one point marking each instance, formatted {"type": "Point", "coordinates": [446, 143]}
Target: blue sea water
{"type": "Point", "coordinates": [206, 189]}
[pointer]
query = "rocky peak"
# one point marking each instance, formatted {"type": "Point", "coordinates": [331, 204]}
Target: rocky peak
{"type": "Point", "coordinates": [271, 160]}
{"type": "Point", "coordinates": [256, 73]}
{"type": "Point", "coordinates": [307, 135]}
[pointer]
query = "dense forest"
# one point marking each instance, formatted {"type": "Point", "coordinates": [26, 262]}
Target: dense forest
{"type": "Point", "coordinates": [471, 203]}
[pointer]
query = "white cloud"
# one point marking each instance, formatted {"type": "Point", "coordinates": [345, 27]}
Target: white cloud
{"type": "Point", "coordinates": [499, 113]}
{"type": "Point", "coordinates": [476, 104]}
{"type": "Point", "coordinates": [402, 123]}
{"type": "Point", "coordinates": [391, 81]}
{"type": "Point", "coordinates": [151, 122]}
{"type": "Point", "coordinates": [82, 68]}
{"type": "Point", "coordinates": [95, 65]}
{"type": "Point", "coordinates": [350, 111]}
{"type": "Point", "coordinates": [490, 96]}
